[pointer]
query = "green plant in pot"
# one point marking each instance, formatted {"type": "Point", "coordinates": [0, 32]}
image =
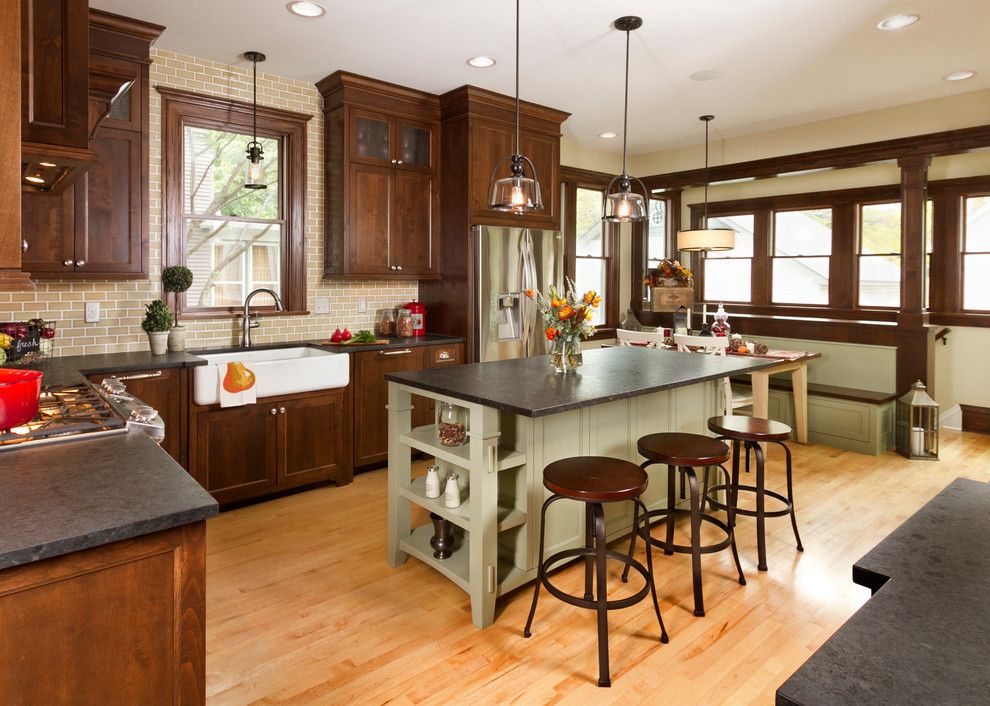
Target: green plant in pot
{"type": "Point", "coordinates": [176, 280]}
{"type": "Point", "coordinates": [157, 324]}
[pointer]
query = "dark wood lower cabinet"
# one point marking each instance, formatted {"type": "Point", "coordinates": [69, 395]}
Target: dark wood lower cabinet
{"type": "Point", "coordinates": [165, 389]}
{"type": "Point", "coordinates": [245, 452]}
{"type": "Point", "coordinates": [370, 418]}
{"type": "Point", "coordinates": [119, 624]}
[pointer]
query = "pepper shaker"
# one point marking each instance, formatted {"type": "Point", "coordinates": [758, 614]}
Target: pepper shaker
{"type": "Point", "coordinates": [433, 482]}
{"type": "Point", "coordinates": [452, 492]}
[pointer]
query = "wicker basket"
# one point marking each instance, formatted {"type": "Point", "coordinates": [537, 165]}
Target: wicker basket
{"type": "Point", "coordinates": [670, 298]}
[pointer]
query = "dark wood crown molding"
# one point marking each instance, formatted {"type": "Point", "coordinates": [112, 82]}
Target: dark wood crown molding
{"type": "Point", "coordinates": [233, 107]}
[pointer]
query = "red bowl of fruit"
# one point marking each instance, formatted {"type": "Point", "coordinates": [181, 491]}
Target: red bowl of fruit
{"type": "Point", "coordinates": [20, 391]}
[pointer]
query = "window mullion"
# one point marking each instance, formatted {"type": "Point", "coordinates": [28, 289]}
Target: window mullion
{"type": "Point", "coordinates": [761, 270]}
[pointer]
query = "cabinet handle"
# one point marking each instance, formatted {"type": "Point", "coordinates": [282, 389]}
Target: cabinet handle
{"type": "Point", "coordinates": [80, 263]}
{"type": "Point", "coordinates": [392, 267]}
{"type": "Point", "coordinates": [404, 351]}
{"type": "Point", "coordinates": [273, 411]}
{"type": "Point", "coordinates": [67, 263]}
{"type": "Point", "coordinates": [24, 246]}
{"type": "Point", "coordinates": [281, 410]}
{"type": "Point", "coordinates": [444, 355]}
{"type": "Point", "coordinates": [140, 376]}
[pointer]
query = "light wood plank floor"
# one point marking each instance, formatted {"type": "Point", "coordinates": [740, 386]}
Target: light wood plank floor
{"type": "Point", "coordinates": [303, 609]}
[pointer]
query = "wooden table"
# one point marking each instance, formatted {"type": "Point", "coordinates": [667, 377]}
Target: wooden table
{"type": "Point", "coordinates": [795, 363]}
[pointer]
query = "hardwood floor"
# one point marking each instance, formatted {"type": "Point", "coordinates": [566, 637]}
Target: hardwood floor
{"type": "Point", "coordinates": [303, 609]}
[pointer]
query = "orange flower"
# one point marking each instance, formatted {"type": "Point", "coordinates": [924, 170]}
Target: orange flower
{"type": "Point", "coordinates": [530, 293]}
{"type": "Point", "coordinates": [555, 303]}
{"type": "Point", "coordinates": [590, 296]}
{"type": "Point", "coordinates": [551, 333]}
{"type": "Point", "coordinates": [565, 312]}
{"type": "Point", "coordinates": [596, 301]}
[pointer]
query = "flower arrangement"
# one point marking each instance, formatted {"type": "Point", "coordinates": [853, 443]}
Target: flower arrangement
{"type": "Point", "coordinates": [669, 270]}
{"type": "Point", "coordinates": [567, 318]}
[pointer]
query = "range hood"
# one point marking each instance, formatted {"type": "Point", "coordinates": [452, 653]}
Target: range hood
{"type": "Point", "coordinates": [63, 98]}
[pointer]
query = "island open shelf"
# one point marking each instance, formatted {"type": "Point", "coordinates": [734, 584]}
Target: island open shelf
{"type": "Point", "coordinates": [522, 416]}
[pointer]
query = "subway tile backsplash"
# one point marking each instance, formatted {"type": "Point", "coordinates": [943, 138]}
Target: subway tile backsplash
{"type": "Point", "coordinates": [122, 303]}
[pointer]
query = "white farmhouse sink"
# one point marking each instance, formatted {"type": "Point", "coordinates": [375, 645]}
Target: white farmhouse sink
{"type": "Point", "coordinates": [278, 371]}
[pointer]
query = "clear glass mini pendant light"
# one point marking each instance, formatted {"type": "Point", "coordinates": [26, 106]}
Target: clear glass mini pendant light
{"type": "Point", "coordinates": [517, 193]}
{"type": "Point", "coordinates": [622, 204]}
{"type": "Point", "coordinates": [254, 173]}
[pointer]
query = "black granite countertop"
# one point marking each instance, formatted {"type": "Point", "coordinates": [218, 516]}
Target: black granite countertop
{"type": "Point", "coordinates": [530, 387]}
{"type": "Point", "coordinates": [64, 497]}
{"type": "Point", "coordinates": [71, 370]}
{"type": "Point", "coordinates": [922, 637]}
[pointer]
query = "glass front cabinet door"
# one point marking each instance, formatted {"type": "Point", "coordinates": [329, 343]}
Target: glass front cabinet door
{"type": "Point", "coordinates": [415, 142]}
{"type": "Point", "coordinates": [370, 138]}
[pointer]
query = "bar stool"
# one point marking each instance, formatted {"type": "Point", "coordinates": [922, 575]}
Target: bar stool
{"type": "Point", "coordinates": [682, 453]}
{"type": "Point", "coordinates": [594, 480]}
{"type": "Point", "coordinates": [751, 432]}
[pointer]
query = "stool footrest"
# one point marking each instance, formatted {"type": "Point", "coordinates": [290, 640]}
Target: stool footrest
{"type": "Point", "coordinates": [647, 521]}
{"type": "Point", "coordinates": [749, 489]}
{"type": "Point", "coordinates": [592, 604]}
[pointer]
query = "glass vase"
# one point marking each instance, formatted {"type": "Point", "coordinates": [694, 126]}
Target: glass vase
{"type": "Point", "coordinates": [565, 355]}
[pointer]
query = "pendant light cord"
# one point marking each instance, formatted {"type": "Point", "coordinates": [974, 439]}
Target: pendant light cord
{"type": "Point", "coordinates": [625, 109]}
{"type": "Point", "coordinates": [517, 77]}
{"type": "Point", "coordinates": [255, 102]}
{"type": "Point", "coordinates": [706, 173]}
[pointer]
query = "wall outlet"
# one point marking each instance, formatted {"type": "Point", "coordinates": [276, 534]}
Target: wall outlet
{"type": "Point", "coordinates": [322, 305]}
{"type": "Point", "coordinates": [92, 313]}
{"type": "Point", "coordinates": [362, 305]}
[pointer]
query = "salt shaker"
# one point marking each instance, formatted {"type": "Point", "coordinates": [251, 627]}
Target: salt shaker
{"type": "Point", "coordinates": [452, 492]}
{"type": "Point", "coordinates": [433, 482]}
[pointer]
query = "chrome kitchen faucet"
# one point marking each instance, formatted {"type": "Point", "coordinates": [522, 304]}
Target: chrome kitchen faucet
{"type": "Point", "coordinates": [250, 322]}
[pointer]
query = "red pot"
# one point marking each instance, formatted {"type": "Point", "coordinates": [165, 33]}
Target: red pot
{"type": "Point", "coordinates": [19, 394]}
{"type": "Point", "coordinates": [418, 311]}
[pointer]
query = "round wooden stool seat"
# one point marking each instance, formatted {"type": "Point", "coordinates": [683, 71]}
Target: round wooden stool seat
{"type": "Point", "coordinates": [680, 449]}
{"type": "Point", "coordinates": [595, 479]}
{"type": "Point", "coordinates": [738, 426]}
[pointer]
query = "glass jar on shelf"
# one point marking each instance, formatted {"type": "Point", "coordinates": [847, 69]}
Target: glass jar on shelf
{"type": "Point", "coordinates": [452, 424]}
{"type": "Point", "coordinates": [386, 325]}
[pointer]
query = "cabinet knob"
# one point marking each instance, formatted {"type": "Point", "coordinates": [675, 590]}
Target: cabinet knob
{"type": "Point", "coordinates": [398, 267]}
{"type": "Point", "coordinates": [24, 246]}
{"type": "Point", "coordinates": [399, 162]}
{"type": "Point", "coordinates": [393, 161]}
{"type": "Point", "coordinates": [273, 411]}
{"type": "Point", "coordinates": [281, 410]}
{"type": "Point", "coordinates": [67, 263]}
{"type": "Point", "coordinates": [80, 263]}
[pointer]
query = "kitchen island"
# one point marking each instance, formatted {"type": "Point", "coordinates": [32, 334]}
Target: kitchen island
{"type": "Point", "coordinates": [523, 416]}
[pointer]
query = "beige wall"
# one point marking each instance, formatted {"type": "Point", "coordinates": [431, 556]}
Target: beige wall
{"type": "Point", "coordinates": [122, 303]}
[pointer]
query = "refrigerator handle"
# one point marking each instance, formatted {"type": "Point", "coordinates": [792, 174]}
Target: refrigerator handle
{"type": "Point", "coordinates": [528, 281]}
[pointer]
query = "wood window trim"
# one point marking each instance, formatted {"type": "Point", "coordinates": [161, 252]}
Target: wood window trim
{"type": "Point", "coordinates": [180, 108]}
{"type": "Point", "coordinates": [571, 179]}
{"type": "Point", "coordinates": [964, 249]}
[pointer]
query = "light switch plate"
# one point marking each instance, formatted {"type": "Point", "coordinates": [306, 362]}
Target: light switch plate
{"type": "Point", "coordinates": [92, 313]}
{"type": "Point", "coordinates": [362, 305]}
{"type": "Point", "coordinates": [322, 305]}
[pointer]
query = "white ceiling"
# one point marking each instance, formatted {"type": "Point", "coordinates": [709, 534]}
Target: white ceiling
{"type": "Point", "coordinates": [783, 62]}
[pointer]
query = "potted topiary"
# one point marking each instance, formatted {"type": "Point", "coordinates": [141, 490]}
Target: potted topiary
{"type": "Point", "coordinates": [157, 323]}
{"type": "Point", "coordinates": [176, 280]}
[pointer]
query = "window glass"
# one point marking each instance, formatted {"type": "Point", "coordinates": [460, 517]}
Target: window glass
{"type": "Point", "coordinates": [743, 225]}
{"type": "Point", "coordinates": [590, 274]}
{"type": "Point", "coordinates": [728, 273]}
{"type": "Point", "coordinates": [976, 257]}
{"type": "Point", "coordinates": [233, 235]}
{"type": "Point", "coordinates": [879, 250]}
{"type": "Point", "coordinates": [798, 278]}
{"type": "Point", "coordinates": [656, 239]}
{"type": "Point", "coordinates": [806, 232]}
{"type": "Point", "coordinates": [588, 221]}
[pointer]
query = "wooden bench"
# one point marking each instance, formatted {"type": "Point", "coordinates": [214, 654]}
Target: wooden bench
{"type": "Point", "coordinates": [843, 417]}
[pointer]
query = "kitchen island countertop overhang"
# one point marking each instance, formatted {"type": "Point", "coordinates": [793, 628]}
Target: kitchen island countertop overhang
{"type": "Point", "coordinates": [529, 386]}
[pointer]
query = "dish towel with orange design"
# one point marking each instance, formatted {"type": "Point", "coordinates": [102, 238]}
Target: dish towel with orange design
{"type": "Point", "coordinates": [236, 384]}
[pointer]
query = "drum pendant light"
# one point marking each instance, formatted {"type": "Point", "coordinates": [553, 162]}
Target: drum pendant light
{"type": "Point", "coordinates": [516, 193]}
{"type": "Point", "coordinates": [624, 205]}
{"type": "Point", "coordinates": [706, 239]}
{"type": "Point", "coordinates": [254, 174]}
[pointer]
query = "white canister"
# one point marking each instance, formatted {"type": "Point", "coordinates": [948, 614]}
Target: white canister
{"type": "Point", "coordinates": [917, 441]}
{"type": "Point", "coordinates": [433, 482]}
{"type": "Point", "coordinates": [452, 492]}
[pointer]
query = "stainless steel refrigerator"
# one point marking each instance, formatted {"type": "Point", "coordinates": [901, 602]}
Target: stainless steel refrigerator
{"type": "Point", "coordinates": [510, 261]}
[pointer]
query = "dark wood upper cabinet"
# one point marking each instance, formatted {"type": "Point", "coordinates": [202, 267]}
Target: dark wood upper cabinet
{"type": "Point", "coordinates": [54, 74]}
{"type": "Point", "coordinates": [98, 225]}
{"type": "Point", "coordinates": [382, 179]}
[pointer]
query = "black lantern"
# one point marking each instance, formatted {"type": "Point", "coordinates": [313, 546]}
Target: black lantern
{"type": "Point", "coordinates": [517, 193]}
{"type": "Point", "coordinates": [622, 204]}
{"type": "Point", "coordinates": [254, 174]}
{"type": "Point", "coordinates": [917, 424]}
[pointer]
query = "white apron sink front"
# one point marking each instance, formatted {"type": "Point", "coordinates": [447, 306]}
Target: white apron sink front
{"type": "Point", "coordinates": [278, 371]}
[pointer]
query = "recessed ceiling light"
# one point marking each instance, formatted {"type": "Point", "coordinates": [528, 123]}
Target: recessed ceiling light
{"type": "Point", "coordinates": [707, 75]}
{"type": "Point", "coordinates": [34, 179]}
{"type": "Point", "coordinates": [896, 22]}
{"type": "Point", "coordinates": [608, 135]}
{"type": "Point", "coordinates": [959, 76]}
{"type": "Point", "coordinates": [305, 8]}
{"type": "Point", "coordinates": [481, 62]}
{"type": "Point", "coordinates": [52, 164]}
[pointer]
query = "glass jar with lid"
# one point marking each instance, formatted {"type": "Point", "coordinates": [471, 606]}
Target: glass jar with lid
{"type": "Point", "coordinates": [386, 325]}
{"type": "Point", "coordinates": [404, 325]}
{"type": "Point", "coordinates": [452, 424]}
